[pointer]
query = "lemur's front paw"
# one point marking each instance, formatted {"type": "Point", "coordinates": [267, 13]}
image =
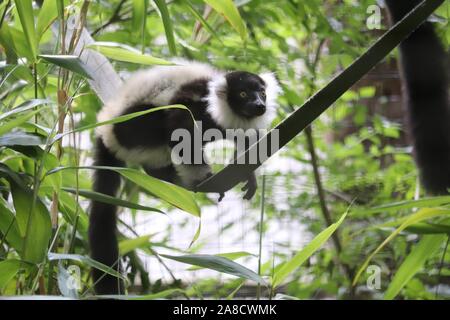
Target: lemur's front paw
{"type": "Point", "coordinates": [250, 187]}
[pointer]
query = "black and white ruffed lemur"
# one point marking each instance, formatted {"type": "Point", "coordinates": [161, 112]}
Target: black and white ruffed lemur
{"type": "Point", "coordinates": [233, 100]}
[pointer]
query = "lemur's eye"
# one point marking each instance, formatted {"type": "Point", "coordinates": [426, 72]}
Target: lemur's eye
{"type": "Point", "coordinates": [263, 94]}
{"type": "Point", "coordinates": [243, 94]}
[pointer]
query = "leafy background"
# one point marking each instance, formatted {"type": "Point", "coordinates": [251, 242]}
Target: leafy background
{"type": "Point", "coordinates": [350, 178]}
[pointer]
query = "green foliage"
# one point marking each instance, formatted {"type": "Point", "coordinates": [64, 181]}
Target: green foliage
{"type": "Point", "coordinates": [47, 121]}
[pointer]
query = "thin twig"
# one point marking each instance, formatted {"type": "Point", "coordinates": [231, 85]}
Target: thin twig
{"type": "Point", "coordinates": [114, 18]}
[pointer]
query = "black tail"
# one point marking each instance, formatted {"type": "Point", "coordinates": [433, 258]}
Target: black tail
{"type": "Point", "coordinates": [102, 223]}
{"type": "Point", "coordinates": [424, 67]}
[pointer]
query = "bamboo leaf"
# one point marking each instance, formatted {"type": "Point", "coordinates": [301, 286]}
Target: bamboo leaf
{"type": "Point", "coordinates": [409, 204]}
{"type": "Point", "coordinates": [216, 263]}
{"type": "Point", "coordinates": [120, 52]}
{"type": "Point", "coordinates": [8, 270]}
{"type": "Point", "coordinates": [47, 14]}
{"type": "Point", "coordinates": [88, 261]}
{"type": "Point", "coordinates": [108, 199]}
{"type": "Point", "coordinates": [159, 295]}
{"type": "Point", "coordinates": [8, 227]}
{"type": "Point", "coordinates": [228, 255]}
{"type": "Point", "coordinates": [168, 28]}
{"type": "Point", "coordinates": [27, 105]}
{"type": "Point", "coordinates": [154, 296]}
{"type": "Point", "coordinates": [21, 139]}
{"type": "Point", "coordinates": [413, 263]}
{"type": "Point", "coordinates": [8, 126]}
{"type": "Point", "coordinates": [34, 225]}
{"type": "Point", "coordinates": [293, 264]}
{"type": "Point", "coordinates": [139, 14]}
{"type": "Point", "coordinates": [429, 228]}
{"type": "Point", "coordinates": [121, 119]}
{"type": "Point", "coordinates": [202, 21]}
{"type": "Point", "coordinates": [231, 14]}
{"type": "Point", "coordinates": [25, 10]}
{"type": "Point", "coordinates": [129, 245]}
{"type": "Point", "coordinates": [72, 63]}
{"type": "Point", "coordinates": [419, 216]}
{"type": "Point", "coordinates": [172, 194]}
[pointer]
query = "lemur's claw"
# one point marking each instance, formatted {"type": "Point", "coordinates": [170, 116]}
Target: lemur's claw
{"type": "Point", "coordinates": [221, 196]}
{"type": "Point", "coordinates": [250, 187]}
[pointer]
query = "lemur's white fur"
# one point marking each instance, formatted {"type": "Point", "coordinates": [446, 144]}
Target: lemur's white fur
{"type": "Point", "coordinates": [157, 86]}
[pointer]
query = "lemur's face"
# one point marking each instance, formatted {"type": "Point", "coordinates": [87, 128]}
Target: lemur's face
{"type": "Point", "coordinates": [246, 94]}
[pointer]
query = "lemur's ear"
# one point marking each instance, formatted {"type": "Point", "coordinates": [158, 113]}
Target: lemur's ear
{"type": "Point", "coordinates": [273, 88]}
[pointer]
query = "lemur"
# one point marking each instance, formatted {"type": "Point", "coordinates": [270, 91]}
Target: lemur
{"type": "Point", "coordinates": [220, 100]}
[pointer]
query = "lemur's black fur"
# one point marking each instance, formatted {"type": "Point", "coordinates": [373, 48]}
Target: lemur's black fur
{"type": "Point", "coordinates": [424, 67]}
{"type": "Point", "coordinates": [102, 222]}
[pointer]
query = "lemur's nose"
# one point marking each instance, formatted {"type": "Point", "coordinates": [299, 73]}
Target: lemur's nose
{"type": "Point", "coordinates": [260, 107]}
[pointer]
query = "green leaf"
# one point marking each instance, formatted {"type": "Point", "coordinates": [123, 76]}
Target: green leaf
{"type": "Point", "coordinates": [421, 203]}
{"type": "Point", "coordinates": [172, 194]}
{"type": "Point", "coordinates": [165, 16]}
{"type": "Point", "coordinates": [413, 263]}
{"type": "Point", "coordinates": [125, 53]}
{"type": "Point", "coordinates": [6, 40]}
{"type": "Point", "coordinates": [8, 227]}
{"type": "Point", "coordinates": [72, 63]}
{"type": "Point", "coordinates": [27, 105]}
{"type": "Point", "coordinates": [216, 263]}
{"type": "Point", "coordinates": [121, 119]}
{"type": "Point", "coordinates": [21, 139]}
{"type": "Point", "coordinates": [202, 21]}
{"type": "Point", "coordinates": [429, 228]}
{"type": "Point", "coordinates": [88, 261]}
{"type": "Point", "coordinates": [34, 225]}
{"type": "Point", "coordinates": [175, 195]}
{"type": "Point", "coordinates": [25, 10]}
{"type": "Point", "coordinates": [228, 255]}
{"type": "Point", "coordinates": [8, 270]}
{"type": "Point", "coordinates": [293, 264]}
{"type": "Point", "coordinates": [8, 126]}
{"type": "Point", "coordinates": [159, 295]}
{"type": "Point", "coordinates": [100, 197]}
{"type": "Point", "coordinates": [129, 245]}
{"type": "Point", "coordinates": [419, 216]}
{"type": "Point", "coordinates": [47, 14]}
{"type": "Point", "coordinates": [231, 14]}
{"type": "Point", "coordinates": [139, 14]}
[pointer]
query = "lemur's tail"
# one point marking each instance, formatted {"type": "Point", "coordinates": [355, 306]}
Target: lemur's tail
{"type": "Point", "coordinates": [102, 223]}
{"type": "Point", "coordinates": [424, 68]}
